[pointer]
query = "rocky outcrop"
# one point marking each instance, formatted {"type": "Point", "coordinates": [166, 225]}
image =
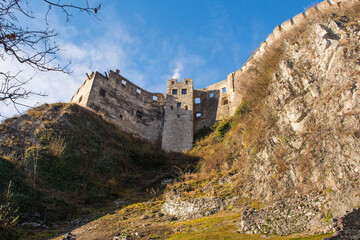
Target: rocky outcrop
{"type": "Point", "coordinates": [288, 216]}
{"type": "Point", "coordinates": [313, 142]}
{"type": "Point", "coordinates": [181, 208]}
{"type": "Point", "coordinates": [308, 142]}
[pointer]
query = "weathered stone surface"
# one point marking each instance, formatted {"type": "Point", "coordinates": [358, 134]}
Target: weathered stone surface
{"type": "Point", "coordinates": [178, 131]}
{"type": "Point", "coordinates": [195, 207]}
{"type": "Point", "coordinates": [285, 217]}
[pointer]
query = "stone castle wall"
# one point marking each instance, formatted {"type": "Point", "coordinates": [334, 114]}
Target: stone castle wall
{"type": "Point", "coordinates": [157, 116]}
{"type": "Point", "coordinates": [133, 108]}
{"type": "Point", "coordinates": [178, 130]}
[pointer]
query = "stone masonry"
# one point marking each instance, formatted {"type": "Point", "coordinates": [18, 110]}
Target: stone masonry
{"type": "Point", "coordinates": [173, 118]}
{"type": "Point", "coordinates": [169, 119]}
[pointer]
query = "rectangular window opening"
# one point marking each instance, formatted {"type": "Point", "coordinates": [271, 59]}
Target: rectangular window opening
{"type": "Point", "coordinates": [225, 101]}
{"type": "Point", "coordinates": [80, 99]}
{"type": "Point", "coordinates": [155, 98]}
{"type": "Point", "coordinates": [186, 107]}
{"type": "Point", "coordinates": [172, 82]}
{"type": "Point", "coordinates": [102, 92]}
{"type": "Point", "coordinates": [138, 91]}
{"type": "Point", "coordinates": [123, 82]}
{"type": "Point", "coordinates": [139, 114]}
{"type": "Point", "coordinates": [178, 105]}
{"type": "Point", "coordinates": [186, 82]}
{"type": "Point", "coordinates": [183, 91]}
{"type": "Point", "coordinates": [171, 107]}
{"type": "Point", "coordinates": [121, 116]}
{"type": "Point", "coordinates": [197, 100]}
{"type": "Point", "coordinates": [174, 92]}
{"type": "Point", "coordinates": [224, 89]}
{"type": "Point", "coordinates": [211, 94]}
{"type": "Point", "coordinates": [198, 114]}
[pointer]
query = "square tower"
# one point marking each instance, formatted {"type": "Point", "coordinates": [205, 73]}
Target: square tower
{"type": "Point", "coordinates": [178, 131]}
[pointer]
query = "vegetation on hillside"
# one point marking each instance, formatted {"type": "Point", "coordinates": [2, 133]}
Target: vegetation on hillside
{"type": "Point", "coordinates": [230, 145]}
{"type": "Point", "coordinates": [63, 157]}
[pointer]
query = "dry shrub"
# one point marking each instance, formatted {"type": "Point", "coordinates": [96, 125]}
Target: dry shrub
{"type": "Point", "coordinates": [57, 146]}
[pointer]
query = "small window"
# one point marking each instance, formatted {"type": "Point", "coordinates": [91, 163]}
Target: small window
{"type": "Point", "coordinates": [186, 107]}
{"type": "Point", "coordinates": [123, 82]}
{"type": "Point", "coordinates": [178, 105]}
{"type": "Point", "coordinates": [183, 91]}
{"type": "Point", "coordinates": [212, 94]}
{"type": "Point", "coordinates": [80, 99]}
{"type": "Point", "coordinates": [172, 82]}
{"type": "Point", "coordinates": [174, 92]}
{"type": "Point", "coordinates": [155, 98]}
{"type": "Point", "coordinates": [197, 100]}
{"type": "Point", "coordinates": [121, 116]}
{"type": "Point", "coordinates": [225, 101]}
{"type": "Point", "coordinates": [171, 107]}
{"type": "Point", "coordinates": [139, 114]}
{"type": "Point", "coordinates": [224, 90]}
{"type": "Point", "coordinates": [178, 115]}
{"type": "Point", "coordinates": [138, 91]}
{"type": "Point", "coordinates": [102, 92]}
{"type": "Point", "coordinates": [186, 82]}
{"type": "Point", "coordinates": [198, 114]}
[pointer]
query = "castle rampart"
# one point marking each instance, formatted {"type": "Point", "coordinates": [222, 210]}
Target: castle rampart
{"type": "Point", "coordinates": [178, 130]}
{"type": "Point", "coordinates": [133, 108]}
{"type": "Point", "coordinates": [174, 117]}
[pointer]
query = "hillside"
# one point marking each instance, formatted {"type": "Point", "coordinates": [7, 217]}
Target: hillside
{"type": "Point", "coordinates": [289, 158]}
{"type": "Point", "coordinates": [65, 162]}
{"type": "Point", "coordinates": [285, 166]}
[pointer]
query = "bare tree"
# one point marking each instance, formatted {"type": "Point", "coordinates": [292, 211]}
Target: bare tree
{"type": "Point", "coordinates": [33, 47]}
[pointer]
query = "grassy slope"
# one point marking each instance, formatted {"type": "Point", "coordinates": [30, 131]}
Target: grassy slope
{"type": "Point", "coordinates": [130, 222]}
{"type": "Point", "coordinates": [64, 159]}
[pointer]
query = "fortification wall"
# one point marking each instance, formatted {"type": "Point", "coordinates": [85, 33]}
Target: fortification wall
{"type": "Point", "coordinates": [178, 130]}
{"type": "Point", "coordinates": [211, 104]}
{"type": "Point", "coordinates": [292, 24]}
{"type": "Point", "coordinates": [131, 107]}
{"type": "Point", "coordinates": [143, 113]}
{"type": "Point", "coordinates": [81, 97]}
{"type": "Point", "coordinates": [278, 34]}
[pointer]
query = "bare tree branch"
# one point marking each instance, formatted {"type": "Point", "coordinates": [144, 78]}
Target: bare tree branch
{"type": "Point", "coordinates": [34, 47]}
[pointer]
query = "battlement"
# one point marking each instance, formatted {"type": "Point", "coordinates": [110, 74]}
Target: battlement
{"type": "Point", "coordinates": [173, 117]}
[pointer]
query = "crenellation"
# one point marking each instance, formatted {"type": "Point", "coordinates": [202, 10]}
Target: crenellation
{"type": "Point", "coordinates": [312, 12]}
{"type": "Point", "coordinates": [299, 19]}
{"type": "Point", "coordinates": [287, 25]}
{"type": "Point", "coordinates": [277, 31]}
{"type": "Point", "coordinates": [324, 6]}
{"type": "Point", "coordinates": [173, 118]}
{"type": "Point", "coordinates": [270, 39]}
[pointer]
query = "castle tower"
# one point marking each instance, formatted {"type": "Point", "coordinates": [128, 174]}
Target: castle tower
{"type": "Point", "coordinates": [178, 130]}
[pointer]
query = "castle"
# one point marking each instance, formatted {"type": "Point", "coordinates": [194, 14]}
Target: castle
{"type": "Point", "coordinates": [169, 118]}
{"type": "Point", "coordinates": [172, 118]}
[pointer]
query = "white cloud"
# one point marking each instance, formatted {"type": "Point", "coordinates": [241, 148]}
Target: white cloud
{"type": "Point", "coordinates": [110, 51]}
{"type": "Point", "coordinates": [177, 71]}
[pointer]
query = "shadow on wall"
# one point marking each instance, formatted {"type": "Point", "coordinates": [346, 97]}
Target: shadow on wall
{"type": "Point", "coordinates": [206, 106]}
{"type": "Point", "coordinates": [350, 226]}
{"type": "Point", "coordinates": [178, 123]}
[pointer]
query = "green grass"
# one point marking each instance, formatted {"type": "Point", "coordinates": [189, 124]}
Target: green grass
{"type": "Point", "coordinates": [224, 227]}
{"type": "Point", "coordinates": [69, 158]}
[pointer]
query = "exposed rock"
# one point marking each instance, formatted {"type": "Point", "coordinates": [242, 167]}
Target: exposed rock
{"type": "Point", "coordinates": [194, 207]}
{"type": "Point", "coordinates": [313, 143]}
{"type": "Point", "coordinates": [293, 215]}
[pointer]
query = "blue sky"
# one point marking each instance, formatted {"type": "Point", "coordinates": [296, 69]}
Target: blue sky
{"type": "Point", "coordinates": [151, 41]}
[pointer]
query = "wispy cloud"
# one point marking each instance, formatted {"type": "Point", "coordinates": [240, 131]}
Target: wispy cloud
{"type": "Point", "coordinates": [177, 71]}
